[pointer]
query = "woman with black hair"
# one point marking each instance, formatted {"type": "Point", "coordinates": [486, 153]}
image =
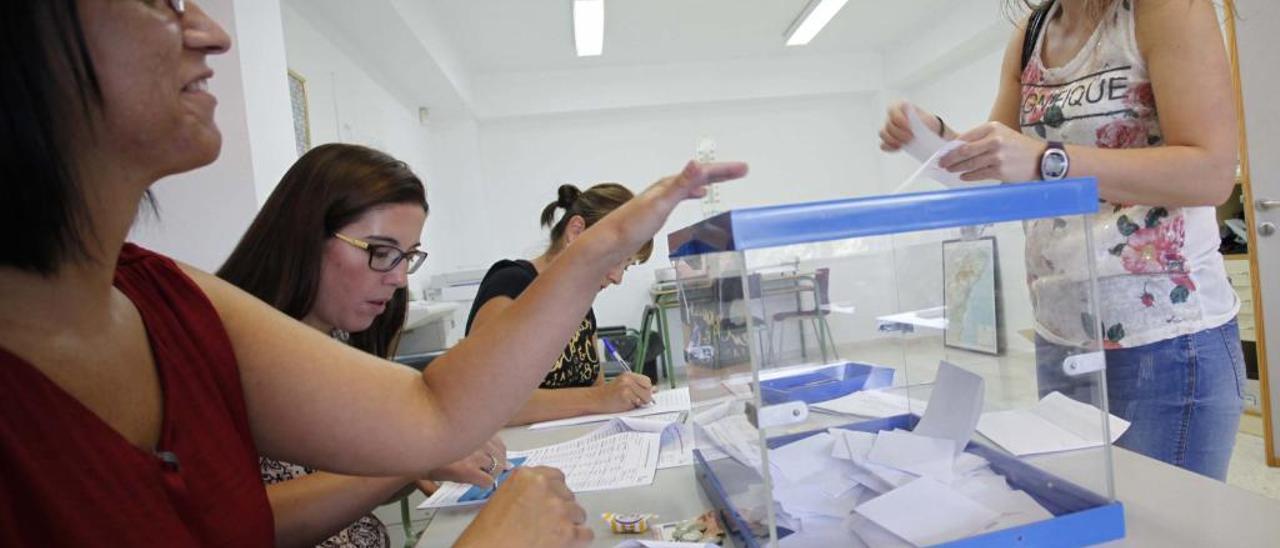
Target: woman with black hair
{"type": "Point", "coordinates": [575, 385]}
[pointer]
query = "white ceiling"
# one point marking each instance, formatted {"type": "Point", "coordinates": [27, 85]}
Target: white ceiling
{"type": "Point", "coordinates": [536, 35]}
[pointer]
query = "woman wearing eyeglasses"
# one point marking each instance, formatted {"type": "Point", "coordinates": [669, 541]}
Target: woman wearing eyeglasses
{"type": "Point", "coordinates": [575, 386]}
{"type": "Point", "coordinates": [333, 247]}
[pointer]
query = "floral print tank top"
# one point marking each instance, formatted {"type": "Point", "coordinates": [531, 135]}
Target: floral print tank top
{"type": "Point", "coordinates": [1159, 271]}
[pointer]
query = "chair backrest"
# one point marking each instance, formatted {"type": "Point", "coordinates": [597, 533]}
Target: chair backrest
{"type": "Point", "coordinates": [822, 277]}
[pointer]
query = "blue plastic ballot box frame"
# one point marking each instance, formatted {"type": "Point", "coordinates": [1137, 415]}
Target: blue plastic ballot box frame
{"type": "Point", "coordinates": [883, 256]}
{"type": "Point", "coordinates": [825, 383]}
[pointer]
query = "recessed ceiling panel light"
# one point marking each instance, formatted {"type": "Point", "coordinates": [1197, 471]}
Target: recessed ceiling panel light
{"type": "Point", "coordinates": [810, 22]}
{"type": "Point", "coordinates": [588, 27]}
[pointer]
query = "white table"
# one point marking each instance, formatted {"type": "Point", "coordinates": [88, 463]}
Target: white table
{"type": "Point", "coordinates": [1163, 505]}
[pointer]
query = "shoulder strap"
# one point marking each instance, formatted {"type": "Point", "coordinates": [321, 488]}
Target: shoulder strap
{"type": "Point", "coordinates": [1034, 25]}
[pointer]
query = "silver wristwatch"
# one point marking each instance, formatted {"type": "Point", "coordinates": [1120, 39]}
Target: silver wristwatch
{"type": "Point", "coordinates": [1054, 162]}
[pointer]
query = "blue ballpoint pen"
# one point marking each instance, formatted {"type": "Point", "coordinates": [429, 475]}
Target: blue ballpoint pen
{"type": "Point", "coordinates": [616, 356]}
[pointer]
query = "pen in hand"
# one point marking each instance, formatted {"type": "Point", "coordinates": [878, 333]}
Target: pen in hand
{"type": "Point", "coordinates": [613, 351]}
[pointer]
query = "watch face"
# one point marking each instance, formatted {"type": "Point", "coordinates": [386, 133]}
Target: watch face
{"type": "Point", "coordinates": [1053, 165]}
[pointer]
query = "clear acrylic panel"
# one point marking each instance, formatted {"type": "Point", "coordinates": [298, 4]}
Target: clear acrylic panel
{"type": "Point", "coordinates": [804, 358]}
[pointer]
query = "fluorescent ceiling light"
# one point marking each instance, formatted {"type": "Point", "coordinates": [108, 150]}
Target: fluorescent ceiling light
{"type": "Point", "coordinates": [588, 27]}
{"type": "Point", "coordinates": [810, 22]}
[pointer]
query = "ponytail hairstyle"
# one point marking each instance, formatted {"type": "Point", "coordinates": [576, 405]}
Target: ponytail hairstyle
{"type": "Point", "coordinates": [592, 205]}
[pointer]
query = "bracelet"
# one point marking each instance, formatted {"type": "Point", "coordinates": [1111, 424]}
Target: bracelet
{"type": "Point", "coordinates": [942, 127]}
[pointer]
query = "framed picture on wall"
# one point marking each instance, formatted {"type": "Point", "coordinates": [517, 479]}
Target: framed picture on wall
{"type": "Point", "coordinates": [971, 282]}
{"type": "Point", "coordinates": [301, 118]}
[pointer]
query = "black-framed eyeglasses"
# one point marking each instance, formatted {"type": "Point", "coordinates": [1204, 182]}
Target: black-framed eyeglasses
{"type": "Point", "coordinates": [385, 257]}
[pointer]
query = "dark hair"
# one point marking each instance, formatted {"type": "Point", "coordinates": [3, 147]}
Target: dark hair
{"type": "Point", "coordinates": [48, 89]}
{"type": "Point", "coordinates": [592, 205]}
{"type": "Point", "coordinates": [279, 258]}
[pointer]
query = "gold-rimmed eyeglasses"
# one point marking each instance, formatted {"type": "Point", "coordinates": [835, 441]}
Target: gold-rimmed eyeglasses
{"type": "Point", "coordinates": [385, 257]}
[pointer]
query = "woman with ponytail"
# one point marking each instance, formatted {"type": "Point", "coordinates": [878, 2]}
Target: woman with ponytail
{"type": "Point", "coordinates": [575, 386]}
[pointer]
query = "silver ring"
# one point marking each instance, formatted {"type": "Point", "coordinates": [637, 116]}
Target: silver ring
{"type": "Point", "coordinates": [493, 464]}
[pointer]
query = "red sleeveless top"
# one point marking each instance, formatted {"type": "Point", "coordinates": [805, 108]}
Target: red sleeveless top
{"type": "Point", "coordinates": [69, 479]}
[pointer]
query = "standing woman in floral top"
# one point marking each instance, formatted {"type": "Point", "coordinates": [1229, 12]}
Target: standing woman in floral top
{"type": "Point", "coordinates": [1082, 88]}
{"type": "Point", "coordinates": [333, 247]}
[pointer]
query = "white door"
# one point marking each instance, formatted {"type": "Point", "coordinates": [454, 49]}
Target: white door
{"type": "Point", "coordinates": [1257, 43]}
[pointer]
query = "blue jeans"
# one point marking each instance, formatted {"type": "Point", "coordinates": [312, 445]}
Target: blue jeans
{"type": "Point", "coordinates": [1183, 395]}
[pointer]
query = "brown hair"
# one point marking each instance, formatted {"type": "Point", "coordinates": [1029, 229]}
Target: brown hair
{"type": "Point", "coordinates": [592, 205]}
{"type": "Point", "coordinates": [1018, 10]}
{"type": "Point", "coordinates": [279, 259]}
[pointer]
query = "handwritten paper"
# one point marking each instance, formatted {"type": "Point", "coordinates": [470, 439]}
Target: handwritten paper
{"type": "Point", "coordinates": [625, 459]}
{"type": "Point", "coordinates": [666, 401]}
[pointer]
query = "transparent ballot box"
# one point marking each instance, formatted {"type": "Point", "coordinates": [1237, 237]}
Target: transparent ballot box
{"type": "Point", "coordinates": [911, 369]}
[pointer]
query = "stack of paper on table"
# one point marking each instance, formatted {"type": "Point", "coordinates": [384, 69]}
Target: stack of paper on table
{"type": "Point", "coordinates": [589, 463]}
{"type": "Point", "coordinates": [676, 448]}
{"type": "Point", "coordinates": [667, 401]}
{"type": "Point", "coordinates": [1056, 423]}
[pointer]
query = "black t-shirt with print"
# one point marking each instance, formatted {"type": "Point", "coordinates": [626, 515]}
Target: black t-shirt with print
{"type": "Point", "coordinates": [578, 365]}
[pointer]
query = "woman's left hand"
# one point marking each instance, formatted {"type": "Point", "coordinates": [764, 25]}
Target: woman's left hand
{"type": "Point", "coordinates": [478, 468]}
{"type": "Point", "coordinates": [995, 151]}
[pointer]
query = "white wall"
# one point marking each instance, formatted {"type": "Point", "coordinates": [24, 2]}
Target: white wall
{"type": "Point", "coordinates": [247, 83]}
{"type": "Point", "coordinates": [350, 104]}
{"type": "Point", "coordinates": [800, 149]}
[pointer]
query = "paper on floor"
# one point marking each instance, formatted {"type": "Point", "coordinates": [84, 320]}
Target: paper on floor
{"type": "Point", "coordinates": [666, 401]}
{"type": "Point", "coordinates": [1056, 423]}
{"type": "Point", "coordinates": [954, 406]}
{"type": "Point", "coordinates": [926, 512]}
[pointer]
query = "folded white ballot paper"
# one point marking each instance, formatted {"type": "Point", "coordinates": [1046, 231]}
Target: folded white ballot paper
{"type": "Point", "coordinates": [1056, 423]}
{"type": "Point", "coordinates": [928, 148]}
{"type": "Point", "coordinates": [665, 401]}
{"type": "Point", "coordinates": [926, 512]}
{"type": "Point", "coordinates": [919, 455]}
{"type": "Point", "coordinates": [954, 406]}
{"type": "Point", "coordinates": [897, 487]}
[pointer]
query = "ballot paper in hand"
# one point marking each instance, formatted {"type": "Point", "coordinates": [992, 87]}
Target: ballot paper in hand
{"type": "Point", "coordinates": [1056, 423]}
{"type": "Point", "coordinates": [928, 148]}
